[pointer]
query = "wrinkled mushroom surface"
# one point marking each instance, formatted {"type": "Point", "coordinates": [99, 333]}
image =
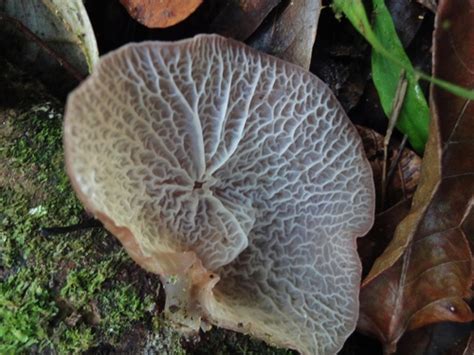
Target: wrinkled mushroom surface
{"type": "Point", "coordinates": [235, 176]}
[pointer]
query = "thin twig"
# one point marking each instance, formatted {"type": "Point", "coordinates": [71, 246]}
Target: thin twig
{"type": "Point", "coordinates": [396, 108]}
{"type": "Point", "coordinates": [396, 160]}
{"type": "Point", "coordinates": [87, 224]}
{"type": "Point", "coordinates": [73, 71]}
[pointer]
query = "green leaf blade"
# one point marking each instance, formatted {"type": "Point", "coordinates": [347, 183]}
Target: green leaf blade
{"type": "Point", "coordinates": [388, 59]}
{"type": "Point", "coordinates": [415, 114]}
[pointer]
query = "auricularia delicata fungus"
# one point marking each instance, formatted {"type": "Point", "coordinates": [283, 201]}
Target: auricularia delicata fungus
{"type": "Point", "coordinates": [236, 177]}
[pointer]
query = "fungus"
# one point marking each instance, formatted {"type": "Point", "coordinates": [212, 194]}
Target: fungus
{"type": "Point", "coordinates": [235, 176]}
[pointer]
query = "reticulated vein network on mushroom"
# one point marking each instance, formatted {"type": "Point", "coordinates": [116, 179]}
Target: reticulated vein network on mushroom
{"type": "Point", "coordinates": [236, 177]}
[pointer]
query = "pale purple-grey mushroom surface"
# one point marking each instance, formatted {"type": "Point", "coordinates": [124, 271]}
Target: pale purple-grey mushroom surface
{"type": "Point", "coordinates": [235, 176]}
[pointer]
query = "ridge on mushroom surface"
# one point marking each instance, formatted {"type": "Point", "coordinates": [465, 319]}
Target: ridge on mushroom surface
{"type": "Point", "coordinates": [235, 176]}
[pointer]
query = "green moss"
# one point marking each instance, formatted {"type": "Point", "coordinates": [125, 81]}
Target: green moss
{"type": "Point", "coordinates": [83, 283]}
{"type": "Point", "coordinates": [74, 340]}
{"type": "Point", "coordinates": [26, 307]}
{"type": "Point", "coordinates": [59, 292]}
{"type": "Point", "coordinates": [122, 306]}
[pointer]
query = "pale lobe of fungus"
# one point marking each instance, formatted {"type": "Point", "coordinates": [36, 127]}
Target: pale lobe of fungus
{"type": "Point", "coordinates": [235, 176]}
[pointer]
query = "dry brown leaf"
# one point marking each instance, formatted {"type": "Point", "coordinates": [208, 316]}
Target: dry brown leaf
{"type": "Point", "coordinates": [162, 13]}
{"type": "Point", "coordinates": [290, 33]}
{"type": "Point", "coordinates": [425, 273]}
{"type": "Point", "coordinates": [240, 18]}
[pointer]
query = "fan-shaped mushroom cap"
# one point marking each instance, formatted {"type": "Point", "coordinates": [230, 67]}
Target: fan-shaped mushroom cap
{"type": "Point", "coordinates": [235, 176]}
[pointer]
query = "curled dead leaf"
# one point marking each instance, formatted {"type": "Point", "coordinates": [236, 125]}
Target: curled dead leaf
{"type": "Point", "coordinates": [291, 32]}
{"type": "Point", "coordinates": [52, 39]}
{"type": "Point", "coordinates": [425, 273]}
{"type": "Point", "coordinates": [160, 14]}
